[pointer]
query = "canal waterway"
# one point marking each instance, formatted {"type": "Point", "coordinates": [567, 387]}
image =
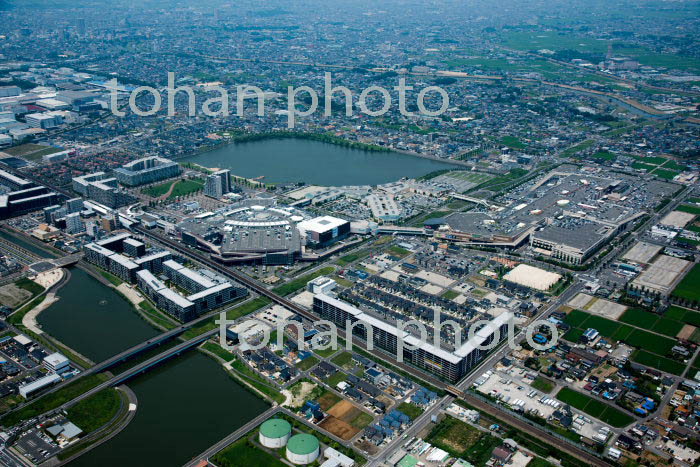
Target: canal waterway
{"type": "Point", "coordinates": [184, 406]}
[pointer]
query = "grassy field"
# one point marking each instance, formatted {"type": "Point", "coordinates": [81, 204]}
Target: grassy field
{"type": "Point", "coordinates": [646, 320]}
{"type": "Point", "coordinates": [300, 282]}
{"type": "Point", "coordinates": [219, 351]}
{"type": "Point", "coordinates": [582, 146]}
{"type": "Point", "coordinates": [512, 142]}
{"type": "Point", "coordinates": [96, 411]}
{"type": "Point", "coordinates": [412, 410]}
{"type": "Point", "coordinates": [463, 440]}
{"type": "Point", "coordinates": [398, 251]}
{"type": "Point", "coordinates": [307, 363]}
{"type": "Point", "coordinates": [450, 295]}
{"type": "Point", "coordinates": [182, 188]}
{"type": "Point", "coordinates": [683, 315]}
{"type": "Point", "coordinates": [53, 400]}
{"type": "Point", "coordinates": [594, 408]}
{"type": "Point", "coordinates": [689, 287]}
{"type": "Point", "coordinates": [343, 360]}
{"type": "Point", "coordinates": [31, 152]}
{"type": "Point", "coordinates": [352, 257]}
{"type": "Point", "coordinates": [243, 452]}
{"type": "Point", "coordinates": [247, 308]}
{"type": "Point", "coordinates": [688, 208]}
{"type": "Point", "coordinates": [542, 384]}
{"type": "Point", "coordinates": [30, 286]}
{"type": "Point", "coordinates": [114, 280]}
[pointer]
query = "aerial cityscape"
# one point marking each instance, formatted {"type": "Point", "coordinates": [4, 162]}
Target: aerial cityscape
{"type": "Point", "coordinates": [397, 233]}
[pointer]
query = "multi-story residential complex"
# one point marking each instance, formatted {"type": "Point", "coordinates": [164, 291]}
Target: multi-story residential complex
{"type": "Point", "coordinates": [23, 201]}
{"type": "Point", "coordinates": [146, 170]}
{"type": "Point", "coordinates": [13, 182]}
{"type": "Point", "coordinates": [450, 365]}
{"type": "Point", "coordinates": [101, 189]}
{"type": "Point", "coordinates": [206, 290]}
{"type": "Point", "coordinates": [218, 184]}
{"type": "Point", "coordinates": [74, 224]}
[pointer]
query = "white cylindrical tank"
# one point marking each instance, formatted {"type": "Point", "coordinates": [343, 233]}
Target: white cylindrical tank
{"type": "Point", "coordinates": [302, 449]}
{"type": "Point", "coordinates": [275, 433]}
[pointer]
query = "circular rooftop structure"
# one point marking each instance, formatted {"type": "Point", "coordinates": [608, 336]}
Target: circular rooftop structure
{"type": "Point", "coordinates": [275, 433]}
{"type": "Point", "coordinates": [302, 449]}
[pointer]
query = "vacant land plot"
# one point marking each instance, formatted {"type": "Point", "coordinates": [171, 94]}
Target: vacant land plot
{"type": "Point", "coordinates": [642, 252]}
{"type": "Point", "coordinates": [31, 152]}
{"type": "Point", "coordinates": [606, 308]}
{"type": "Point", "coordinates": [455, 434]}
{"type": "Point", "coordinates": [542, 384]}
{"type": "Point", "coordinates": [689, 287]}
{"type": "Point", "coordinates": [462, 180]}
{"type": "Point", "coordinates": [594, 408]}
{"type": "Point", "coordinates": [343, 360]}
{"type": "Point", "coordinates": [12, 296]}
{"type": "Point", "coordinates": [243, 452]}
{"type": "Point", "coordinates": [677, 219]}
{"type": "Point", "coordinates": [663, 272]}
{"type": "Point", "coordinates": [327, 400]}
{"type": "Point", "coordinates": [345, 420]}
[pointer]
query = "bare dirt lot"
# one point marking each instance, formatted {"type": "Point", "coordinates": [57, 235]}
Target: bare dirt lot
{"type": "Point", "coordinates": [11, 295]}
{"type": "Point", "coordinates": [339, 428]}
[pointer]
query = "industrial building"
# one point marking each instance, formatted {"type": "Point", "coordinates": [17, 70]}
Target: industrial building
{"type": "Point", "coordinates": [28, 389]}
{"type": "Point", "coordinates": [303, 449]}
{"type": "Point", "coordinates": [275, 433]}
{"type": "Point", "coordinates": [146, 170]}
{"type": "Point", "coordinates": [449, 365]}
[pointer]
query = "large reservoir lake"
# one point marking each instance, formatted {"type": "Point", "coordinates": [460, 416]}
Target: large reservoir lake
{"type": "Point", "coordinates": [290, 160]}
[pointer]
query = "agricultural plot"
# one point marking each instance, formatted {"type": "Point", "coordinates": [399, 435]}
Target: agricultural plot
{"type": "Point", "coordinates": [689, 287]}
{"type": "Point", "coordinates": [581, 320]}
{"type": "Point", "coordinates": [660, 363]}
{"type": "Point", "coordinates": [594, 408]}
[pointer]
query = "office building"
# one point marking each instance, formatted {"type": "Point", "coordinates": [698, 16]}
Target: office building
{"type": "Point", "coordinates": [56, 362]}
{"type": "Point", "coordinates": [218, 184]}
{"type": "Point", "coordinates": [146, 170]}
